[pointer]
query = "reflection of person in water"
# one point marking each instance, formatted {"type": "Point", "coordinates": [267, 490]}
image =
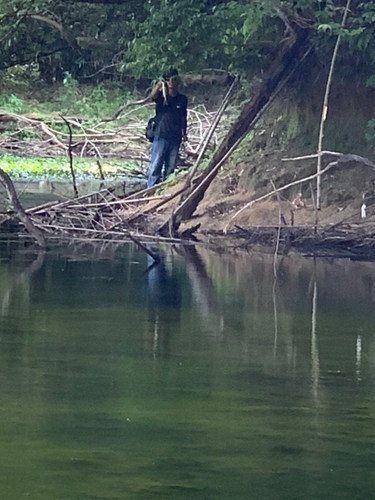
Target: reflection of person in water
{"type": "Point", "coordinates": [163, 295]}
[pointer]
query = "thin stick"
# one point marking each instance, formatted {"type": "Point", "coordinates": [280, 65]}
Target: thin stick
{"type": "Point", "coordinates": [325, 107]}
{"type": "Point", "coordinates": [210, 131]}
{"type": "Point", "coordinates": [100, 169]}
{"type": "Point", "coordinates": [314, 207]}
{"type": "Point", "coordinates": [314, 155]}
{"type": "Point", "coordinates": [124, 202]}
{"type": "Point", "coordinates": [342, 158]}
{"type": "Point", "coordinates": [278, 233]}
{"type": "Point", "coordinates": [265, 196]}
{"type": "Point", "coordinates": [71, 157]}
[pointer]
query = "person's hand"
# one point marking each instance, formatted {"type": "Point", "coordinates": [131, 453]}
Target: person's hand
{"type": "Point", "coordinates": [157, 89]}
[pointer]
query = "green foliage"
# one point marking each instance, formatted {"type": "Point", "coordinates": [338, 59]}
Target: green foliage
{"type": "Point", "coordinates": [80, 39]}
{"type": "Point", "coordinates": [85, 100]}
{"type": "Point", "coordinates": [34, 167]}
{"type": "Point", "coordinates": [193, 37]}
{"type": "Point", "coordinates": [12, 103]}
{"type": "Point", "coordinates": [43, 168]}
{"type": "Point", "coordinates": [92, 42]}
{"type": "Point", "coordinates": [370, 134]}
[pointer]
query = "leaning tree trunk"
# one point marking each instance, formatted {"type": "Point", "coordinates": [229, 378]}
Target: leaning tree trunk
{"type": "Point", "coordinates": [289, 56]}
{"type": "Point", "coordinates": [18, 208]}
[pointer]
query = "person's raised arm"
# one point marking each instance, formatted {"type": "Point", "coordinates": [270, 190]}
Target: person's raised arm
{"type": "Point", "coordinates": [156, 90]}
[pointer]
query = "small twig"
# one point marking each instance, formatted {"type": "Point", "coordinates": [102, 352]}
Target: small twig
{"type": "Point", "coordinates": [123, 108]}
{"type": "Point", "coordinates": [71, 157]}
{"type": "Point", "coordinates": [265, 196]}
{"type": "Point", "coordinates": [100, 172]}
{"type": "Point", "coordinates": [278, 233]}
{"type": "Point", "coordinates": [211, 129]}
{"type": "Point", "coordinates": [314, 155]}
{"type": "Point", "coordinates": [315, 209]}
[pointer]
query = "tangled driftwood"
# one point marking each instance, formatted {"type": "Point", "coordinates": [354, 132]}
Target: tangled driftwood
{"type": "Point", "coordinates": [103, 215]}
{"type": "Point", "coordinates": [124, 139]}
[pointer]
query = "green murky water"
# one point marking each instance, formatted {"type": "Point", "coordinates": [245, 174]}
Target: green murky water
{"type": "Point", "coordinates": [202, 378]}
{"type": "Point", "coordinates": [32, 193]}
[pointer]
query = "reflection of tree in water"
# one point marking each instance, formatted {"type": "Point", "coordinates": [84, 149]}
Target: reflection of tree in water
{"type": "Point", "coordinates": [203, 291]}
{"type": "Point", "coordinates": [163, 290]}
{"type": "Point", "coordinates": [19, 280]}
{"type": "Point", "coordinates": [163, 299]}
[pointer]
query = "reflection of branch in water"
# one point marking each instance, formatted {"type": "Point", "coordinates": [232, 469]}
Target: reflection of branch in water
{"type": "Point", "coordinates": [21, 278]}
{"type": "Point", "coordinates": [358, 352]}
{"type": "Point", "coordinates": [156, 337]}
{"type": "Point", "coordinates": [278, 235]}
{"type": "Point", "coordinates": [275, 274]}
{"type": "Point", "coordinates": [274, 298]}
{"type": "Point", "coordinates": [151, 266]}
{"type": "Point", "coordinates": [279, 324]}
{"type": "Point", "coordinates": [163, 302]}
{"type": "Point", "coordinates": [275, 315]}
{"type": "Point", "coordinates": [315, 371]}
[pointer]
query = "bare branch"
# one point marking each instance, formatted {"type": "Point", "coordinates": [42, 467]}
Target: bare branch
{"type": "Point", "coordinates": [18, 208]}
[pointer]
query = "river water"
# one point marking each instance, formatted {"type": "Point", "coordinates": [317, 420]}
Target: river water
{"type": "Point", "coordinates": [201, 378]}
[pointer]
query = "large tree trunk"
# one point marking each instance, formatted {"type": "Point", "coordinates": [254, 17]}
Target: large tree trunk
{"type": "Point", "coordinates": [289, 56]}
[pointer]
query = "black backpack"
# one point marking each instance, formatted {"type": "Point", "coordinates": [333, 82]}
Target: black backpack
{"type": "Point", "coordinates": [150, 129]}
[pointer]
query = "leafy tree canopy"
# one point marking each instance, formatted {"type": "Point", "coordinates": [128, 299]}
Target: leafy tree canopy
{"type": "Point", "coordinates": [142, 37]}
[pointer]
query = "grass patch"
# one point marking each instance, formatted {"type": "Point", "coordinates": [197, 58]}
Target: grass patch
{"type": "Point", "coordinates": [58, 167]}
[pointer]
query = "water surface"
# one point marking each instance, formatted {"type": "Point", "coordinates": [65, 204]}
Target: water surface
{"type": "Point", "coordinates": [201, 378]}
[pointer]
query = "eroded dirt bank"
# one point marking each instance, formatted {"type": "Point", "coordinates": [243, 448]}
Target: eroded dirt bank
{"type": "Point", "coordinates": [344, 226]}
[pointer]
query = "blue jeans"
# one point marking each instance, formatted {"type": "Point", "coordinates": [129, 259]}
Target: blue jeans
{"type": "Point", "coordinates": [163, 153]}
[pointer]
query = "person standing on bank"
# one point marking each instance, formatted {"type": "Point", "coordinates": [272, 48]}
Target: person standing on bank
{"type": "Point", "coordinates": [170, 127]}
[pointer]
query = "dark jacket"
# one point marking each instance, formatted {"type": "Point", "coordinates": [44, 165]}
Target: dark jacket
{"type": "Point", "coordinates": [171, 117]}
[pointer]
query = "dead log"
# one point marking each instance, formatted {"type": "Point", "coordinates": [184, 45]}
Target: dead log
{"type": "Point", "coordinates": [292, 52]}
